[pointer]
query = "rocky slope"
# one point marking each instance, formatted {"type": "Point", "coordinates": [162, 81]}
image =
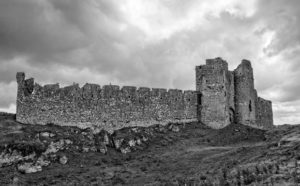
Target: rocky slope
{"type": "Point", "coordinates": [175, 154]}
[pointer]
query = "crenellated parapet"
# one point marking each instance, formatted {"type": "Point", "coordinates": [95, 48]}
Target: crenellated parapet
{"type": "Point", "coordinates": [222, 97]}
{"type": "Point", "coordinates": [109, 106]}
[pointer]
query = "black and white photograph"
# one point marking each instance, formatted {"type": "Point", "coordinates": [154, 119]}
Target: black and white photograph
{"type": "Point", "coordinates": [150, 92]}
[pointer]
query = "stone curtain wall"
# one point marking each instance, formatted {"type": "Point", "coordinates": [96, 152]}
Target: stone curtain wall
{"type": "Point", "coordinates": [109, 107]}
{"type": "Point", "coordinates": [264, 113]}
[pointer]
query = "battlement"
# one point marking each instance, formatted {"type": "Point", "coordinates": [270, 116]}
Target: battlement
{"type": "Point", "coordinates": [217, 63]}
{"type": "Point", "coordinates": [216, 85]}
{"type": "Point", "coordinates": [94, 91]}
{"type": "Point", "coordinates": [221, 97]}
{"type": "Point", "coordinates": [246, 63]}
{"type": "Point", "coordinates": [109, 106]}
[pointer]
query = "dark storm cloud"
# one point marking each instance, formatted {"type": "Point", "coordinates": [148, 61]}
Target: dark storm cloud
{"type": "Point", "coordinates": [36, 30]}
{"type": "Point", "coordinates": [89, 34]}
{"type": "Point", "coordinates": [73, 34]}
{"type": "Point", "coordinates": [149, 43]}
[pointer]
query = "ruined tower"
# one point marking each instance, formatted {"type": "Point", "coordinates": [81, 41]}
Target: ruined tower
{"type": "Point", "coordinates": [215, 86]}
{"type": "Point", "coordinates": [246, 96]}
{"type": "Point", "coordinates": [229, 96]}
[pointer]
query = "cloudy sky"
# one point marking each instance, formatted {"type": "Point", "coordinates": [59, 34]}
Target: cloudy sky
{"type": "Point", "coordinates": [153, 43]}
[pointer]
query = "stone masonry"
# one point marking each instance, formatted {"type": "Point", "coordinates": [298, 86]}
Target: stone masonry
{"type": "Point", "coordinates": [229, 96]}
{"type": "Point", "coordinates": [215, 85]}
{"type": "Point", "coordinates": [107, 107]}
{"type": "Point", "coordinates": [221, 97]}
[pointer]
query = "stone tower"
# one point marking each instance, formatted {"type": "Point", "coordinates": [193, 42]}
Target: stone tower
{"type": "Point", "coordinates": [246, 96]}
{"type": "Point", "coordinates": [226, 97]}
{"type": "Point", "coordinates": [215, 86]}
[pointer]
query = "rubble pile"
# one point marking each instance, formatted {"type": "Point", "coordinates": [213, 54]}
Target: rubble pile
{"type": "Point", "coordinates": [43, 147]}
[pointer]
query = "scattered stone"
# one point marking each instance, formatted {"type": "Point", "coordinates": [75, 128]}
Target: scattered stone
{"type": "Point", "coordinates": [63, 160]}
{"type": "Point", "coordinates": [144, 138]}
{"type": "Point", "coordinates": [93, 149]}
{"type": "Point", "coordinates": [68, 142]}
{"type": "Point", "coordinates": [88, 132]}
{"type": "Point", "coordinates": [85, 149]}
{"type": "Point", "coordinates": [174, 128]}
{"type": "Point", "coordinates": [42, 162]}
{"type": "Point", "coordinates": [29, 167]}
{"type": "Point", "coordinates": [131, 143]}
{"type": "Point", "coordinates": [138, 141]}
{"type": "Point", "coordinates": [47, 134]}
{"type": "Point", "coordinates": [109, 174]}
{"type": "Point", "coordinates": [102, 148]}
{"type": "Point", "coordinates": [125, 150]}
{"type": "Point", "coordinates": [118, 143]}
{"type": "Point", "coordinates": [15, 181]}
{"type": "Point", "coordinates": [135, 129]}
{"type": "Point", "coordinates": [55, 146]}
{"type": "Point", "coordinates": [8, 158]}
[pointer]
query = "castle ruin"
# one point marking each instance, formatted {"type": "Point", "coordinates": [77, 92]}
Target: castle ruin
{"type": "Point", "coordinates": [221, 97]}
{"type": "Point", "coordinates": [229, 96]}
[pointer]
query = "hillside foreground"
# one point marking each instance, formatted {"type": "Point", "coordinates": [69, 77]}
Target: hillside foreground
{"type": "Point", "coordinates": [175, 154]}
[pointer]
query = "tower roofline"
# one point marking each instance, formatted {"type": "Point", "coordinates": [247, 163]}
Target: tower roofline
{"type": "Point", "coordinates": [215, 61]}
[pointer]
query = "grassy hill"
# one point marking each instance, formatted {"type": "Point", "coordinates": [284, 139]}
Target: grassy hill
{"type": "Point", "coordinates": [191, 154]}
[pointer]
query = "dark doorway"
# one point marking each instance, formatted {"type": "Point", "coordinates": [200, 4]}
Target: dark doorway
{"type": "Point", "coordinates": [199, 105]}
{"type": "Point", "coordinates": [231, 115]}
{"type": "Point", "coordinates": [199, 99]}
{"type": "Point", "coordinates": [250, 106]}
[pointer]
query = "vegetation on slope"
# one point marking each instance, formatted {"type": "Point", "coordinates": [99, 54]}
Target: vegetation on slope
{"type": "Point", "coordinates": [158, 155]}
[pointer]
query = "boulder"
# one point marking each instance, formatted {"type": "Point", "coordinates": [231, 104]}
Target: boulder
{"type": "Point", "coordinates": [29, 167]}
{"type": "Point", "coordinates": [42, 161]}
{"type": "Point", "coordinates": [102, 148]}
{"type": "Point", "coordinates": [174, 128]}
{"type": "Point", "coordinates": [125, 150]}
{"type": "Point", "coordinates": [118, 142]}
{"type": "Point", "coordinates": [7, 158]}
{"type": "Point", "coordinates": [47, 134]}
{"type": "Point", "coordinates": [63, 159]}
{"type": "Point", "coordinates": [55, 147]}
